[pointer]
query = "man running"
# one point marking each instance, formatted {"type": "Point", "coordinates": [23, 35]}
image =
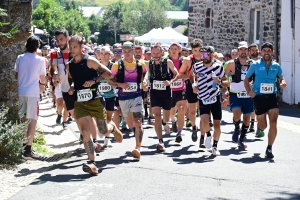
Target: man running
{"type": "Point", "coordinates": [86, 72]}
{"type": "Point", "coordinates": [185, 73]}
{"type": "Point", "coordinates": [210, 75]}
{"type": "Point", "coordinates": [240, 101]}
{"type": "Point", "coordinates": [127, 75]}
{"type": "Point", "coordinates": [264, 91]}
{"type": "Point", "coordinates": [159, 69]}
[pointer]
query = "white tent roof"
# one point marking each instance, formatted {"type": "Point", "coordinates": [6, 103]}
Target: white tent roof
{"type": "Point", "coordinates": [166, 35]}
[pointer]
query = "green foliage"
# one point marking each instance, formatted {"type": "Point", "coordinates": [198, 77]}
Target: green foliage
{"type": "Point", "coordinates": [12, 31]}
{"type": "Point", "coordinates": [11, 135]}
{"type": "Point", "coordinates": [95, 23]}
{"type": "Point", "coordinates": [186, 31]}
{"type": "Point", "coordinates": [179, 22]}
{"type": "Point", "coordinates": [182, 4]}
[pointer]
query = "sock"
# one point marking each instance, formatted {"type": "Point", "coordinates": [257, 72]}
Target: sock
{"type": "Point", "coordinates": [210, 120]}
{"type": "Point", "coordinates": [237, 124]}
{"type": "Point", "coordinates": [202, 137]}
{"type": "Point", "coordinates": [174, 120]}
{"type": "Point", "coordinates": [106, 137]}
{"type": "Point", "coordinates": [138, 144]}
{"type": "Point", "coordinates": [179, 131]}
{"type": "Point", "coordinates": [162, 122]}
{"type": "Point", "coordinates": [252, 121]}
{"type": "Point", "coordinates": [94, 140]}
{"type": "Point", "coordinates": [244, 131]}
{"type": "Point", "coordinates": [215, 144]}
{"type": "Point", "coordinates": [194, 128]}
{"type": "Point", "coordinates": [160, 141]}
{"type": "Point", "coordinates": [27, 148]}
{"type": "Point", "coordinates": [208, 134]}
{"type": "Point", "coordinates": [269, 147]}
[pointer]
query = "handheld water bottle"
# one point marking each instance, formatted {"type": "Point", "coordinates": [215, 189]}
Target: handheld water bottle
{"type": "Point", "coordinates": [213, 75]}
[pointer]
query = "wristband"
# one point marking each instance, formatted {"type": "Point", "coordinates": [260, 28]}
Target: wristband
{"type": "Point", "coordinates": [42, 83]}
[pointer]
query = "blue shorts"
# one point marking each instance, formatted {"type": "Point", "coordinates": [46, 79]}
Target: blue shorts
{"type": "Point", "coordinates": [245, 104]}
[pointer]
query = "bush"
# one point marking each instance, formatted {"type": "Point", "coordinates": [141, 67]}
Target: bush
{"type": "Point", "coordinates": [11, 135]}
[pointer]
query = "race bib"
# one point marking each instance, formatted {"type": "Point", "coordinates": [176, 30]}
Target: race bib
{"type": "Point", "coordinates": [177, 84]}
{"type": "Point", "coordinates": [104, 87]}
{"type": "Point", "coordinates": [242, 95]}
{"type": "Point", "coordinates": [266, 88]}
{"type": "Point", "coordinates": [209, 101]}
{"type": "Point", "coordinates": [131, 88]}
{"type": "Point", "coordinates": [159, 85]}
{"type": "Point", "coordinates": [84, 95]}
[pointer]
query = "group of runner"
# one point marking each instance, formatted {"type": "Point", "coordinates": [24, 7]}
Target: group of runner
{"type": "Point", "coordinates": [116, 82]}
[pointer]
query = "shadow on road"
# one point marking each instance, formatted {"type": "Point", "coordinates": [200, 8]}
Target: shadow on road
{"type": "Point", "coordinates": [201, 159]}
{"type": "Point", "coordinates": [254, 159]}
{"type": "Point", "coordinates": [289, 195]}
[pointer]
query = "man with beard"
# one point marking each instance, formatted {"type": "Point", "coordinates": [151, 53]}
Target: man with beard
{"type": "Point", "coordinates": [138, 52]}
{"type": "Point", "coordinates": [264, 91]}
{"type": "Point", "coordinates": [240, 101]}
{"type": "Point", "coordinates": [210, 75]}
{"type": "Point", "coordinates": [160, 94]}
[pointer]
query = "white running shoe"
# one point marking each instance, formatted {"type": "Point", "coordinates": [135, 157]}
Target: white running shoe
{"type": "Point", "coordinates": [215, 151]}
{"type": "Point", "coordinates": [208, 142]}
{"type": "Point", "coordinates": [167, 129]}
{"type": "Point", "coordinates": [107, 142]}
{"type": "Point", "coordinates": [160, 146]}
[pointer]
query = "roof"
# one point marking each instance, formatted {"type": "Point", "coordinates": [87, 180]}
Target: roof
{"type": "Point", "coordinates": [177, 15]}
{"type": "Point", "coordinates": [180, 28]}
{"type": "Point", "coordinates": [88, 11]}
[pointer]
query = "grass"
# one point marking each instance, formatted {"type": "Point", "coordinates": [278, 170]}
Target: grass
{"type": "Point", "coordinates": [39, 143]}
{"type": "Point", "coordinates": [103, 3]}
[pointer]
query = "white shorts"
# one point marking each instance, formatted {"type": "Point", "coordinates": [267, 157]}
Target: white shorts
{"type": "Point", "coordinates": [30, 106]}
{"type": "Point", "coordinates": [58, 93]}
{"type": "Point", "coordinates": [131, 105]}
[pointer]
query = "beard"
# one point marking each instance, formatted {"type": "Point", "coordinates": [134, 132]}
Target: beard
{"type": "Point", "coordinates": [63, 47]}
{"type": "Point", "coordinates": [255, 55]}
{"type": "Point", "coordinates": [243, 55]}
{"type": "Point", "coordinates": [267, 57]}
{"type": "Point", "coordinates": [138, 56]}
{"type": "Point", "coordinates": [206, 60]}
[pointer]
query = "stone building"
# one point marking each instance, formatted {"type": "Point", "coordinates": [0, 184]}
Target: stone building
{"type": "Point", "coordinates": [224, 23]}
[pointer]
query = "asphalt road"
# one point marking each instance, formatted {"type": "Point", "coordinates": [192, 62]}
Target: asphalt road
{"type": "Point", "coordinates": [183, 171]}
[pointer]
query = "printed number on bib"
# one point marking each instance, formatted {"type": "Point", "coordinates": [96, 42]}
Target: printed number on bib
{"type": "Point", "coordinates": [159, 85]}
{"type": "Point", "coordinates": [104, 87]}
{"type": "Point", "coordinates": [266, 88]}
{"type": "Point", "coordinates": [209, 101]}
{"type": "Point", "coordinates": [131, 88]}
{"type": "Point", "coordinates": [84, 95]}
{"type": "Point", "coordinates": [243, 95]}
{"type": "Point", "coordinates": [177, 84]}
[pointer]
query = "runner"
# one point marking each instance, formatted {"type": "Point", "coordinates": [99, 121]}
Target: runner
{"type": "Point", "coordinates": [240, 101]}
{"type": "Point", "coordinates": [178, 93]}
{"type": "Point", "coordinates": [234, 54]}
{"type": "Point", "coordinates": [264, 91]}
{"type": "Point", "coordinates": [210, 75]}
{"type": "Point", "coordinates": [160, 94]}
{"type": "Point", "coordinates": [138, 52]}
{"type": "Point", "coordinates": [29, 87]}
{"type": "Point", "coordinates": [86, 72]}
{"type": "Point", "coordinates": [128, 73]}
{"type": "Point", "coordinates": [185, 73]}
{"type": "Point", "coordinates": [184, 52]}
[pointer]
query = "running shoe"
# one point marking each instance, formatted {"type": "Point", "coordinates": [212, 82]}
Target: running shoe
{"type": "Point", "coordinates": [97, 146]}
{"type": "Point", "coordinates": [251, 129]}
{"type": "Point", "coordinates": [259, 133]}
{"type": "Point", "coordinates": [107, 142]}
{"type": "Point", "coordinates": [136, 153]}
{"type": "Point", "coordinates": [90, 168]}
{"type": "Point", "coordinates": [201, 144]}
{"type": "Point", "coordinates": [235, 135]}
{"type": "Point", "coordinates": [117, 134]}
{"type": "Point", "coordinates": [215, 151]}
{"type": "Point", "coordinates": [269, 154]}
{"type": "Point", "coordinates": [198, 113]}
{"type": "Point", "coordinates": [58, 119]}
{"type": "Point", "coordinates": [208, 142]}
{"type": "Point", "coordinates": [31, 156]}
{"type": "Point", "coordinates": [160, 146]}
{"type": "Point", "coordinates": [81, 137]}
{"type": "Point", "coordinates": [188, 123]}
{"type": "Point", "coordinates": [151, 120]}
{"type": "Point", "coordinates": [242, 144]}
{"type": "Point", "coordinates": [194, 136]}
{"type": "Point", "coordinates": [123, 125]}
{"type": "Point", "coordinates": [174, 127]}
{"type": "Point", "coordinates": [178, 138]}
{"type": "Point", "coordinates": [167, 129]}
{"type": "Point", "coordinates": [69, 120]}
{"type": "Point", "coordinates": [64, 125]}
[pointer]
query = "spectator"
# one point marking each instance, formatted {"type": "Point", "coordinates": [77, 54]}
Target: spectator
{"type": "Point", "coordinates": [52, 43]}
{"type": "Point", "coordinates": [44, 39]}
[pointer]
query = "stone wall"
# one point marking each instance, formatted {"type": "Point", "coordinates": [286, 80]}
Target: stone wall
{"type": "Point", "coordinates": [19, 15]}
{"type": "Point", "coordinates": [233, 21]}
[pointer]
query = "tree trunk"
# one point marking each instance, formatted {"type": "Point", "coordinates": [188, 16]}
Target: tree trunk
{"type": "Point", "coordinates": [19, 14]}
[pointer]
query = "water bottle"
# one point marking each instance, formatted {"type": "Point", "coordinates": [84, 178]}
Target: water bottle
{"type": "Point", "coordinates": [213, 75]}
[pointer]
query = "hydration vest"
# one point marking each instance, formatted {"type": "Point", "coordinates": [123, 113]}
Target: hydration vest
{"type": "Point", "coordinates": [165, 74]}
{"type": "Point", "coordinates": [121, 71]}
{"type": "Point", "coordinates": [236, 78]}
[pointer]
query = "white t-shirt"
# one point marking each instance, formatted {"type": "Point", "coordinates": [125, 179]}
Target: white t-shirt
{"type": "Point", "coordinates": [29, 67]}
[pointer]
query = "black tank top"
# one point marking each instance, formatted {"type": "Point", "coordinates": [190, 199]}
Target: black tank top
{"type": "Point", "coordinates": [161, 73]}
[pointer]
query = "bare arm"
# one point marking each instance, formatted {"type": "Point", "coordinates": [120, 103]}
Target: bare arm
{"type": "Point", "coordinates": [102, 70]}
{"type": "Point", "coordinates": [186, 65]}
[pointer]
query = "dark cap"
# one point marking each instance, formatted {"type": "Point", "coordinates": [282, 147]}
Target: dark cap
{"type": "Point", "coordinates": [267, 45]}
{"type": "Point", "coordinates": [207, 49]}
{"type": "Point", "coordinates": [148, 50]}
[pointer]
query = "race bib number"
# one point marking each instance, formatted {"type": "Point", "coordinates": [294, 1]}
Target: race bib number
{"type": "Point", "coordinates": [159, 85]}
{"type": "Point", "coordinates": [104, 87]}
{"type": "Point", "coordinates": [177, 84]}
{"type": "Point", "coordinates": [131, 88]}
{"type": "Point", "coordinates": [84, 95]}
{"type": "Point", "coordinates": [242, 95]}
{"type": "Point", "coordinates": [209, 101]}
{"type": "Point", "coordinates": [266, 88]}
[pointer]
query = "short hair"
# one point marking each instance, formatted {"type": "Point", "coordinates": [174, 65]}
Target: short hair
{"type": "Point", "coordinates": [32, 44]}
{"type": "Point", "coordinates": [195, 43]}
{"type": "Point", "coordinates": [61, 31]}
{"type": "Point", "coordinates": [234, 51]}
{"type": "Point", "coordinates": [157, 46]}
{"type": "Point", "coordinates": [76, 38]}
{"type": "Point", "coordinates": [252, 45]}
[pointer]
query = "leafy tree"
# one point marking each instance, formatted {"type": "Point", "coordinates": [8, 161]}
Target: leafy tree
{"type": "Point", "coordinates": [95, 23]}
{"type": "Point", "coordinates": [145, 16]}
{"type": "Point", "coordinates": [11, 31]}
{"type": "Point", "coordinates": [186, 31]}
{"type": "Point", "coordinates": [74, 20]}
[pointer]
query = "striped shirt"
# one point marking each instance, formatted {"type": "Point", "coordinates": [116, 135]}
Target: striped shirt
{"type": "Point", "coordinates": [204, 80]}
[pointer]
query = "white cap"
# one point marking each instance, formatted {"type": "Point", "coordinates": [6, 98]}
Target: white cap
{"type": "Point", "coordinates": [105, 49]}
{"type": "Point", "coordinates": [243, 44]}
{"type": "Point", "coordinates": [220, 55]}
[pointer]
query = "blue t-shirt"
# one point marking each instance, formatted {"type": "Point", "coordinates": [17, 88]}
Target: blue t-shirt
{"type": "Point", "coordinates": [265, 77]}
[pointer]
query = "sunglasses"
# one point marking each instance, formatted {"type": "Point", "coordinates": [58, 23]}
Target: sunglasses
{"type": "Point", "coordinates": [205, 55]}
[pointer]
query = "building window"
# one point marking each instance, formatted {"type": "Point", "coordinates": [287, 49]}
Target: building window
{"type": "Point", "coordinates": [256, 26]}
{"type": "Point", "coordinates": [209, 22]}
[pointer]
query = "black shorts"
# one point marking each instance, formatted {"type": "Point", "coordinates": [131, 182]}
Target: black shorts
{"type": "Point", "coordinates": [110, 104]}
{"type": "Point", "coordinates": [117, 102]}
{"type": "Point", "coordinates": [178, 96]}
{"type": "Point", "coordinates": [69, 100]}
{"type": "Point", "coordinates": [264, 103]}
{"type": "Point", "coordinates": [190, 95]}
{"type": "Point", "coordinates": [163, 103]}
{"type": "Point", "coordinates": [215, 109]}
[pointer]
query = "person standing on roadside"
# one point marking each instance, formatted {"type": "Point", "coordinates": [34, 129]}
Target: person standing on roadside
{"type": "Point", "coordinates": [44, 39]}
{"type": "Point", "coordinates": [29, 86]}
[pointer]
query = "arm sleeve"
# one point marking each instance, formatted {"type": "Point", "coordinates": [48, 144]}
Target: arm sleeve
{"type": "Point", "coordinates": [251, 71]}
{"type": "Point", "coordinates": [114, 69]}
